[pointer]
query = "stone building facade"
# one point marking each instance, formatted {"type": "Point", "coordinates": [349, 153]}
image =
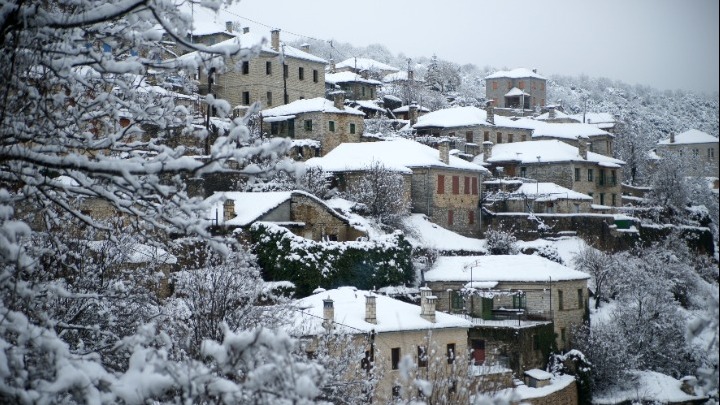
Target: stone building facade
{"type": "Point", "coordinates": [498, 87]}
{"type": "Point", "coordinates": [697, 149]}
{"type": "Point", "coordinates": [518, 348]}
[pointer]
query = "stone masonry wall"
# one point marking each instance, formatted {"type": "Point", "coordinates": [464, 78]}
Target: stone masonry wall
{"type": "Point", "coordinates": [701, 158]}
{"type": "Point", "coordinates": [329, 140]}
{"type": "Point", "coordinates": [534, 87]}
{"type": "Point", "coordinates": [319, 222]}
{"type": "Point", "coordinates": [566, 396]}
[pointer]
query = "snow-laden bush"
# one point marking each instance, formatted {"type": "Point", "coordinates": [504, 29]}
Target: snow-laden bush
{"type": "Point", "coordinates": [500, 242]}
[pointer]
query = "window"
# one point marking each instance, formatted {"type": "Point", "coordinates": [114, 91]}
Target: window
{"type": "Point", "coordinates": [456, 184]}
{"type": "Point", "coordinates": [422, 360]}
{"type": "Point", "coordinates": [471, 217]}
{"type": "Point", "coordinates": [308, 125]}
{"type": "Point", "coordinates": [269, 98]}
{"type": "Point", "coordinates": [469, 137]}
{"type": "Point", "coordinates": [613, 177]}
{"type": "Point", "coordinates": [451, 217]}
{"type": "Point", "coordinates": [452, 388]}
{"type": "Point", "coordinates": [394, 358]}
{"type": "Point", "coordinates": [499, 137]}
{"type": "Point", "coordinates": [352, 128]}
{"type": "Point", "coordinates": [581, 298]}
{"type": "Point", "coordinates": [456, 301]}
{"type": "Point", "coordinates": [245, 68]}
{"type": "Point", "coordinates": [286, 98]}
{"type": "Point", "coordinates": [246, 97]}
{"type": "Point", "coordinates": [577, 174]}
{"type": "Point", "coordinates": [268, 68]}
{"type": "Point", "coordinates": [494, 85]}
{"type": "Point", "coordinates": [523, 171]}
{"type": "Point", "coordinates": [542, 87]}
{"type": "Point", "coordinates": [591, 195]}
{"type": "Point", "coordinates": [486, 136]}
{"type": "Point", "coordinates": [696, 152]}
{"type": "Point", "coordinates": [509, 85]}
{"type": "Point", "coordinates": [614, 200]}
{"type": "Point", "coordinates": [542, 100]}
{"type": "Point", "coordinates": [519, 301]}
{"type": "Point", "coordinates": [301, 73]}
{"type": "Point", "coordinates": [466, 188]}
{"type": "Point", "coordinates": [601, 179]}
{"type": "Point", "coordinates": [441, 184]}
{"type": "Point", "coordinates": [396, 391]}
{"type": "Point", "coordinates": [521, 85]}
{"type": "Point", "coordinates": [331, 126]}
{"type": "Point", "coordinates": [274, 128]}
{"type": "Point", "coordinates": [478, 351]}
{"type": "Point", "coordinates": [562, 334]}
{"type": "Point", "coordinates": [711, 153]}
{"type": "Point", "coordinates": [363, 90]}
{"type": "Point", "coordinates": [561, 304]}
{"type": "Point", "coordinates": [590, 174]}
{"type": "Point", "coordinates": [315, 76]}
{"type": "Point", "coordinates": [510, 138]}
{"type": "Point", "coordinates": [534, 86]}
{"type": "Point", "coordinates": [286, 71]}
{"type": "Point", "coordinates": [523, 138]}
{"type": "Point", "coordinates": [474, 186]}
{"type": "Point", "coordinates": [602, 198]}
{"type": "Point", "coordinates": [311, 354]}
{"type": "Point", "coordinates": [451, 353]}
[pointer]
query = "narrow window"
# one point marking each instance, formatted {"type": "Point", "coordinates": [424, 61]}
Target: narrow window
{"type": "Point", "coordinates": [581, 298]}
{"type": "Point", "coordinates": [395, 358]}
{"type": "Point", "coordinates": [561, 304]}
{"type": "Point", "coordinates": [441, 184]}
{"type": "Point", "coordinates": [396, 391]}
{"type": "Point", "coordinates": [494, 85]}
{"type": "Point", "coordinates": [245, 68]}
{"type": "Point", "coordinates": [590, 174]}
{"type": "Point", "coordinates": [523, 138]}
{"type": "Point", "coordinates": [471, 217]}
{"type": "Point", "coordinates": [352, 128]}
{"type": "Point", "coordinates": [331, 126]}
{"type": "Point", "coordinates": [269, 98]}
{"type": "Point", "coordinates": [315, 76]}
{"type": "Point", "coordinates": [469, 137]}
{"type": "Point", "coordinates": [486, 136]}
{"type": "Point", "coordinates": [456, 184]}
{"type": "Point", "coordinates": [510, 138]}
{"type": "Point", "coordinates": [562, 334]}
{"type": "Point", "coordinates": [499, 137]}
{"type": "Point", "coordinates": [523, 171]}
{"type": "Point", "coordinates": [478, 351]}
{"type": "Point", "coordinates": [474, 186]}
{"type": "Point", "coordinates": [614, 200]}
{"type": "Point", "coordinates": [451, 353]}
{"type": "Point", "coordinates": [268, 68]}
{"type": "Point", "coordinates": [422, 360]}
{"type": "Point", "coordinates": [521, 85]}
{"type": "Point", "coordinates": [613, 177]}
{"type": "Point", "coordinates": [602, 198]}
{"type": "Point", "coordinates": [363, 90]}
{"type": "Point", "coordinates": [274, 128]}
{"type": "Point", "coordinates": [451, 217]}
{"type": "Point", "coordinates": [286, 72]}
{"type": "Point", "coordinates": [577, 174]}
{"type": "Point", "coordinates": [308, 125]}
{"type": "Point", "coordinates": [466, 186]}
{"type": "Point", "coordinates": [246, 97]}
{"type": "Point", "coordinates": [301, 73]}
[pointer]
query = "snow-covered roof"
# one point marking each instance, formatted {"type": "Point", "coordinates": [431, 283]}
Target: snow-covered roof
{"type": "Point", "coordinates": [550, 192]}
{"type": "Point", "coordinates": [538, 374]}
{"type": "Point", "coordinates": [398, 154]}
{"type": "Point", "coordinates": [568, 130]}
{"type": "Point", "coordinates": [398, 77]}
{"type": "Point", "coordinates": [427, 234]}
{"type": "Point", "coordinates": [365, 64]}
{"type": "Point", "coordinates": [406, 108]}
{"type": "Point", "coordinates": [369, 104]}
{"type": "Point", "coordinates": [349, 307]}
{"type": "Point", "coordinates": [292, 52]}
{"type": "Point", "coordinates": [205, 21]}
{"type": "Point", "coordinates": [308, 105]}
{"type": "Point", "coordinates": [600, 120]}
{"type": "Point", "coordinates": [467, 117]}
{"type": "Point", "coordinates": [501, 268]}
{"type": "Point", "coordinates": [515, 92]}
{"type": "Point", "coordinates": [558, 114]}
{"type": "Point", "coordinates": [545, 152]}
{"type": "Point", "coordinates": [348, 77]}
{"type": "Point", "coordinates": [689, 137]}
{"type": "Point", "coordinates": [518, 73]}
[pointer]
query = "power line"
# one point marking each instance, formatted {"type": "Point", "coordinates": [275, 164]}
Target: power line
{"type": "Point", "coordinates": [271, 27]}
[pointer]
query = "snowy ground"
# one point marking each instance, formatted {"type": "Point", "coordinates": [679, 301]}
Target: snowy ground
{"type": "Point", "coordinates": [423, 233]}
{"type": "Point", "coordinates": [647, 386]}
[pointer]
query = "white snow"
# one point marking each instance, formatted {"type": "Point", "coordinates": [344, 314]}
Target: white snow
{"type": "Point", "coordinates": [568, 130]}
{"type": "Point", "coordinates": [546, 116]}
{"type": "Point", "coordinates": [425, 234]}
{"type": "Point", "coordinates": [406, 108]}
{"type": "Point", "coordinates": [567, 247]}
{"type": "Point", "coordinates": [646, 386]}
{"type": "Point", "coordinates": [348, 77]}
{"type": "Point", "coordinates": [557, 383]}
{"type": "Point", "coordinates": [468, 117]}
{"type": "Point", "coordinates": [515, 92]}
{"type": "Point", "coordinates": [318, 104]}
{"type": "Point", "coordinates": [543, 191]}
{"type": "Point", "coordinates": [538, 374]}
{"type": "Point", "coordinates": [689, 137]}
{"type": "Point", "coordinates": [365, 64]}
{"type": "Point", "coordinates": [398, 154]}
{"type": "Point", "coordinates": [545, 151]}
{"type": "Point", "coordinates": [349, 307]}
{"type": "Point", "coordinates": [501, 268]}
{"type": "Point", "coordinates": [600, 120]}
{"type": "Point", "coordinates": [518, 73]}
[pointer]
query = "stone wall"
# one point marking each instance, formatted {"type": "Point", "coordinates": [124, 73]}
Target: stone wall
{"type": "Point", "coordinates": [320, 131]}
{"type": "Point", "coordinates": [560, 206]}
{"type": "Point", "coordinates": [534, 87]}
{"type": "Point", "coordinates": [565, 396]}
{"type": "Point", "coordinates": [319, 221]}
{"type": "Point", "coordinates": [701, 158]}
{"type": "Point", "coordinates": [469, 139]}
{"type": "Point", "coordinates": [515, 345]}
{"type": "Point", "coordinates": [602, 144]}
{"type": "Point", "coordinates": [346, 181]}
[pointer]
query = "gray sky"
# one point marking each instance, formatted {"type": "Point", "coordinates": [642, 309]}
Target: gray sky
{"type": "Point", "coordinates": [667, 44]}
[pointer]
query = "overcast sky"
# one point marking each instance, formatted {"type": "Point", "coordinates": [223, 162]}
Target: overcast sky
{"type": "Point", "coordinates": [667, 44]}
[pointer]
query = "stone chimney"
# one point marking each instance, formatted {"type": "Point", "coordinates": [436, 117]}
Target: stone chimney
{"type": "Point", "coordinates": [672, 137]}
{"type": "Point", "coordinates": [305, 47]}
{"type": "Point", "coordinates": [487, 150]}
{"type": "Point", "coordinates": [551, 112]}
{"type": "Point", "coordinates": [583, 146]}
{"type": "Point", "coordinates": [370, 309]}
{"type": "Point", "coordinates": [246, 30]}
{"type": "Point", "coordinates": [444, 147]}
{"type": "Point", "coordinates": [228, 26]}
{"type": "Point", "coordinates": [228, 210]}
{"type": "Point", "coordinates": [427, 304]}
{"type": "Point", "coordinates": [339, 99]}
{"type": "Point", "coordinates": [534, 70]}
{"type": "Point", "coordinates": [275, 40]}
{"type": "Point", "coordinates": [328, 313]}
{"type": "Point", "coordinates": [490, 110]}
{"type": "Point", "coordinates": [413, 113]}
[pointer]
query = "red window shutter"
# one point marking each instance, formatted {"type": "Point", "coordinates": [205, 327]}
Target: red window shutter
{"type": "Point", "coordinates": [456, 184]}
{"type": "Point", "coordinates": [451, 217]}
{"type": "Point", "coordinates": [466, 189]}
{"type": "Point", "coordinates": [441, 184]}
{"type": "Point", "coordinates": [474, 185]}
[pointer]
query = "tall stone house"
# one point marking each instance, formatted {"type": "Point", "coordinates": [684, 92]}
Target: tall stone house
{"type": "Point", "coordinates": [280, 74]}
{"type": "Point", "coordinates": [519, 88]}
{"type": "Point", "coordinates": [698, 149]}
{"type": "Point", "coordinates": [328, 122]}
{"type": "Point", "coordinates": [574, 168]}
{"type": "Point", "coordinates": [443, 187]}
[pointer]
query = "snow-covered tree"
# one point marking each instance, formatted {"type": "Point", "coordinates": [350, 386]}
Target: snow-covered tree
{"type": "Point", "coordinates": [381, 192]}
{"type": "Point", "coordinates": [499, 242]}
{"type": "Point", "coordinates": [602, 268]}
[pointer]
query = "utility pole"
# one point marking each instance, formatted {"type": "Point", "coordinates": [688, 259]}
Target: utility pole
{"type": "Point", "coordinates": [211, 74]}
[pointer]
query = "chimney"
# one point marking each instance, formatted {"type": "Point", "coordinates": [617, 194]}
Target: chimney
{"type": "Point", "coordinates": [332, 65]}
{"type": "Point", "coordinates": [427, 304]}
{"type": "Point", "coordinates": [583, 146]}
{"type": "Point", "coordinates": [487, 150]}
{"type": "Point", "coordinates": [305, 47]}
{"type": "Point", "coordinates": [490, 112]}
{"type": "Point", "coordinates": [370, 309]}
{"type": "Point", "coordinates": [534, 70]}
{"type": "Point", "coordinates": [228, 26]}
{"type": "Point", "coordinates": [339, 99]}
{"type": "Point", "coordinates": [228, 210]}
{"type": "Point", "coordinates": [551, 112]}
{"type": "Point", "coordinates": [444, 147]}
{"type": "Point", "coordinates": [411, 75]}
{"type": "Point", "coordinates": [413, 113]}
{"type": "Point", "coordinates": [328, 313]}
{"type": "Point", "coordinates": [275, 40]}
{"type": "Point", "coordinates": [672, 137]}
{"type": "Point", "coordinates": [246, 30]}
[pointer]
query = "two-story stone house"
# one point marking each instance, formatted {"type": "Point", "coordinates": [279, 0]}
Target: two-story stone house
{"type": "Point", "coordinates": [354, 85]}
{"type": "Point", "coordinates": [516, 89]}
{"type": "Point", "coordinates": [553, 161]}
{"type": "Point", "coordinates": [329, 122]}
{"type": "Point", "coordinates": [443, 187]}
{"type": "Point", "coordinates": [368, 67]}
{"type": "Point", "coordinates": [698, 149]}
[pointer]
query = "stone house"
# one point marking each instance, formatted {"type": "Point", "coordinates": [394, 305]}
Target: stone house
{"type": "Point", "coordinates": [516, 89]}
{"type": "Point", "coordinates": [329, 122]}
{"type": "Point", "coordinates": [302, 213]}
{"type": "Point", "coordinates": [443, 187]}
{"type": "Point", "coordinates": [604, 121]}
{"type": "Point", "coordinates": [279, 75]}
{"type": "Point", "coordinates": [515, 195]}
{"type": "Point", "coordinates": [368, 67]}
{"type": "Point", "coordinates": [553, 161]}
{"type": "Point", "coordinates": [403, 112]}
{"type": "Point", "coordinates": [512, 290]}
{"type": "Point", "coordinates": [697, 148]}
{"type": "Point", "coordinates": [597, 140]}
{"type": "Point", "coordinates": [388, 330]}
{"type": "Point", "coordinates": [355, 86]}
